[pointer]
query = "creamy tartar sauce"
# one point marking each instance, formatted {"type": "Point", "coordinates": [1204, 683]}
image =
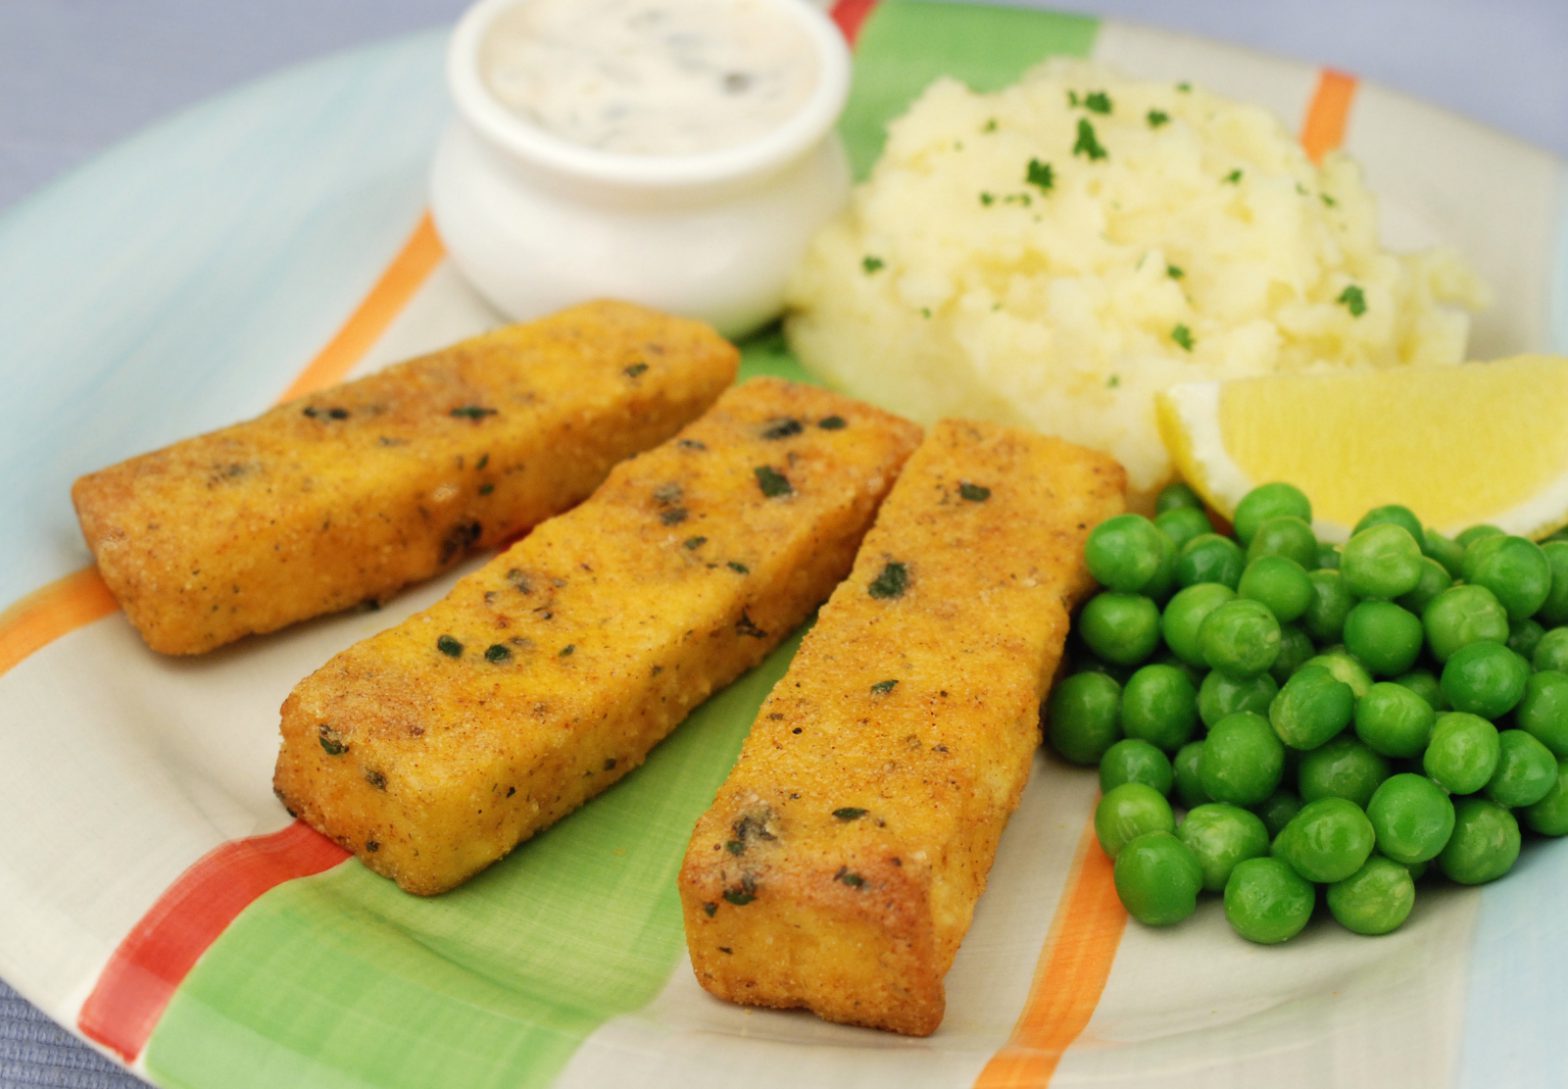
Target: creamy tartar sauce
{"type": "Point", "coordinates": [649, 77]}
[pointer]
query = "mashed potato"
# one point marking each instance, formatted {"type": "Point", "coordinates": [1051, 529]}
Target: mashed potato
{"type": "Point", "coordinates": [1055, 253]}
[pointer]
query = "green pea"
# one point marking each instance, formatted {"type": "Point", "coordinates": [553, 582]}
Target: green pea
{"type": "Point", "coordinates": [1343, 768]}
{"type": "Point", "coordinates": [1311, 708]}
{"type": "Point", "coordinates": [1328, 556]}
{"type": "Point", "coordinates": [1485, 843]}
{"type": "Point", "coordinates": [1423, 682]}
{"type": "Point", "coordinates": [1346, 667]}
{"type": "Point", "coordinates": [1242, 759]}
{"type": "Point", "coordinates": [1277, 809]}
{"type": "Point", "coordinates": [1391, 514]}
{"type": "Point", "coordinates": [1268, 501]}
{"type": "Point", "coordinates": [1327, 841]}
{"type": "Point", "coordinates": [1121, 628]}
{"type": "Point", "coordinates": [1462, 615]}
{"type": "Point", "coordinates": [1220, 836]}
{"type": "Point", "coordinates": [1551, 653]}
{"type": "Point", "coordinates": [1177, 496]}
{"type": "Point", "coordinates": [1209, 557]}
{"type": "Point", "coordinates": [1284, 536]}
{"type": "Point", "coordinates": [1184, 616]}
{"type": "Point", "coordinates": [1434, 580]}
{"type": "Point", "coordinates": [1554, 610]}
{"type": "Point", "coordinates": [1221, 694]}
{"type": "Point", "coordinates": [1412, 818]}
{"type": "Point", "coordinates": [1324, 617]}
{"type": "Point", "coordinates": [1160, 706]}
{"type": "Point", "coordinates": [1445, 550]}
{"type": "Point", "coordinates": [1384, 637]}
{"type": "Point", "coordinates": [1133, 761]}
{"type": "Point", "coordinates": [1376, 899]}
{"type": "Point", "coordinates": [1158, 879]}
{"type": "Point", "coordinates": [1394, 720]}
{"type": "Point", "coordinates": [1295, 650]}
{"type": "Point", "coordinates": [1125, 553]}
{"type": "Point", "coordinates": [1280, 583]}
{"type": "Point", "coordinates": [1083, 717]}
{"type": "Point", "coordinates": [1543, 711]}
{"type": "Point", "coordinates": [1549, 816]}
{"type": "Point", "coordinates": [1128, 811]}
{"type": "Point", "coordinates": [1267, 902]}
{"type": "Point", "coordinates": [1382, 561]}
{"type": "Point", "coordinates": [1463, 752]}
{"type": "Point", "coordinates": [1526, 770]}
{"type": "Point", "coordinates": [1189, 785]}
{"type": "Point", "coordinates": [1470, 536]}
{"type": "Point", "coordinates": [1240, 637]}
{"type": "Point", "coordinates": [1524, 636]}
{"type": "Point", "coordinates": [1183, 524]}
{"type": "Point", "coordinates": [1514, 569]}
{"type": "Point", "coordinates": [1486, 679]}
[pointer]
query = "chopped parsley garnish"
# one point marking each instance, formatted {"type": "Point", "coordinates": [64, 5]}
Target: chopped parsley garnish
{"type": "Point", "coordinates": [1088, 144]}
{"type": "Point", "coordinates": [738, 568]}
{"type": "Point", "coordinates": [891, 582]}
{"type": "Point", "coordinates": [1097, 102]}
{"type": "Point", "coordinates": [989, 126]}
{"type": "Point", "coordinates": [853, 880]}
{"type": "Point", "coordinates": [1354, 300]}
{"type": "Point", "coordinates": [832, 423]}
{"type": "Point", "coordinates": [782, 429]}
{"type": "Point", "coordinates": [1039, 174]}
{"type": "Point", "coordinates": [1113, 381]}
{"type": "Point", "coordinates": [1183, 336]}
{"type": "Point", "coordinates": [495, 652]}
{"type": "Point", "coordinates": [472, 412]}
{"type": "Point", "coordinates": [1233, 178]}
{"type": "Point", "coordinates": [1157, 118]}
{"type": "Point", "coordinates": [330, 741]}
{"type": "Point", "coordinates": [695, 542]}
{"type": "Point", "coordinates": [871, 263]}
{"type": "Point", "coordinates": [772, 482]}
{"type": "Point", "coordinates": [987, 199]}
{"type": "Point", "coordinates": [1328, 201]}
{"type": "Point", "coordinates": [975, 493]}
{"type": "Point", "coordinates": [1184, 87]}
{"type": "Point", "coordinates": [567, 650]}
{"type": "Point", "coordinates": [1175, 272]}
{"type": "Point", "coordinates": [882, 688]}
{"type": "Point", "coordinates": [635, 369]}
{"type": "Point", "coordinates": [849, 813]}
{"type": "Point", "coordinates": [449, 646]}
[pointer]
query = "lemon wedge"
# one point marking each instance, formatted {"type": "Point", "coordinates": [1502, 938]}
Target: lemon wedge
{"type": "Point", "coordinates": [1458, 445]}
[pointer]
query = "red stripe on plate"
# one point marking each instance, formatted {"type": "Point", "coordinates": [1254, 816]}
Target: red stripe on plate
{"type": "Point", "coordinates": [136, 985]}
{"type": "Point", "coordinates": [850, 14]}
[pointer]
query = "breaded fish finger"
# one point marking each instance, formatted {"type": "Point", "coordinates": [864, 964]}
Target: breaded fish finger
{"type": "Point", "coordinates": [347, 495]}
{"type": "Point", "coordinates": [432, 749]}
{"type": "Point", "coordinates": [839, 867]}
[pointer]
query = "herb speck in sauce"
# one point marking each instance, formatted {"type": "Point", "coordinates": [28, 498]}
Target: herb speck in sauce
{"type": "Point", "coordinates": [772, 482]}
{"type": "Point", "coordinates": [449, 646]}
{"type": "Point", "coordinates": [891, 582]}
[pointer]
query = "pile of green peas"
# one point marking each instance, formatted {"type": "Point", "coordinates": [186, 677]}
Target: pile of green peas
{"type": "Point", "coordinates": [1353, 718]}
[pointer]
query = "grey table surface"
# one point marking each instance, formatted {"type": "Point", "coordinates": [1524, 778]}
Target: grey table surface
{"type": "Point", "coordinates": [77, 76]}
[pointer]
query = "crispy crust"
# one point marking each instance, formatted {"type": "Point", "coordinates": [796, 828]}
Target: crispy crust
{"type": "Point", "coordinates": [347, 495]}
{"type": "Point", "coordinates": [588, 641]}
{"type": "Point", "coordinates": [840, 864]}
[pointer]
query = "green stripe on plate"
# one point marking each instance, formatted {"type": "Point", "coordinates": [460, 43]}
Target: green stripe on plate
{"type": "Point", "coordinates": [906, 44]}
{"type": "Point", "coordinates": [342, 980]}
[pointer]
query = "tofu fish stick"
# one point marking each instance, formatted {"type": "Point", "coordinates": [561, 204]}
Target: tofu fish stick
{"type": "Point", "coordinates": [347, 495]}
{"type": "Point", "coordinates": [432, 749]}
{"type": "Point", "coordinates": [839, 867]}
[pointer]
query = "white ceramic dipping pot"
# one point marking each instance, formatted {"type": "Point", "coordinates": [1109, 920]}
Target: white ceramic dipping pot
{"type": "Point", "coordinates": [537, 220]}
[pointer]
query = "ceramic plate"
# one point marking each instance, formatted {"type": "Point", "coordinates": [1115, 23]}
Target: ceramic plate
{"type": "Point", "coordinates": [157, 899]}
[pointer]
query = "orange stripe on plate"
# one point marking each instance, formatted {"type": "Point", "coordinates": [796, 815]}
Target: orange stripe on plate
{"type": "Point", "coordinates": [79, 598]}
{"type": "Point", "coordinates": [50, 612]}
{"type": "Point", "coordinates": [1074, 966]}
{"type": "Point", "coordinates": [850, 14]}
{"type": "Point", "coordinates": [143, 973]}
{"type": "Point", "coordinates": [1323, 129]}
